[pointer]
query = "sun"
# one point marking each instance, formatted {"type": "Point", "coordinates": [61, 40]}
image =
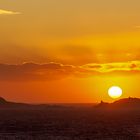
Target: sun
{"type": "Point", "coordinates": [115, 92]}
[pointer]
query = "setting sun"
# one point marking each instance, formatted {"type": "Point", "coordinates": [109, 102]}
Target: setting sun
{"type": "Point", "coordinates": [115, 92]}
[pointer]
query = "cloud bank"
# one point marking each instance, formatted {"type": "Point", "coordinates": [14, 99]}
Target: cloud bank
{"type": "Point", "coordinates": [6, 12]}
{"type": "Point", "coordinates": [55, 71]}
{"type": "Point", "coordinates": [112, 67]}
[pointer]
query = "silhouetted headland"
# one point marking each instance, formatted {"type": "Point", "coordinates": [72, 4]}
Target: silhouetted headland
{"type": "Point", "coordinates": [125, 103]}
{"type": "Point", "coordinates": [4, 104]}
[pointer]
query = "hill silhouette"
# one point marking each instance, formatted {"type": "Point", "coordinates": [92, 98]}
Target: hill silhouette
{"type": "Point", "coordinates": [7, 104]}
{"type": "Point", "coordinates": [4, 104]}
{"type": "Point", "coordinates": [3, 101]}
{"type": "Point", "coordinates": [125, 103]}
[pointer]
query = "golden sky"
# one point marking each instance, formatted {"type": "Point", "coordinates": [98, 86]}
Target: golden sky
{"type": "Point", "coordinates": [68, 51]}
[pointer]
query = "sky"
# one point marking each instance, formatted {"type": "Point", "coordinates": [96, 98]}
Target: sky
{"type": "Point", "coordinates": [68, 51]}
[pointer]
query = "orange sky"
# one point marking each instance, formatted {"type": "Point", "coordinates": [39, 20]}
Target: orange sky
{"type": "Point", "coordinates": [68, 51]}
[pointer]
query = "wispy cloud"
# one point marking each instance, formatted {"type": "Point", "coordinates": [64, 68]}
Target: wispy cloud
{"type": "Point", "coordinates": [112, 67]}
{"type": "Point", "coordinates": [7, 12]}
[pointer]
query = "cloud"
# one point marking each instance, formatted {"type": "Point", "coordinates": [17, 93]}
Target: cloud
{"type": "Point", "coordinates": [56, 71]}
{"type": "Point", "coordinates": [111, 67]}
{"type": "Point", "coordinates": [32, 71]}
{"type": "Point", "coordinates": [6, 12]}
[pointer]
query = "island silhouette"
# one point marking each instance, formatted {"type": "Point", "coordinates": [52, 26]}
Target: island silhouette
{"type": "Point", "coordinates": [125, 103]}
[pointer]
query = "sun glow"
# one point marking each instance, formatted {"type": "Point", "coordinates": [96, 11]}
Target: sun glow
{"type": "Point", "coordinates": [115, 92]}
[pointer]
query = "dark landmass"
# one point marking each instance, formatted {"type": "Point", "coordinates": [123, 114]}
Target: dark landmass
{"type": "Point", "coordinates": [126, 103]}
{"type": "Point", "coordinates": [70, 122]}
{"type": "Point", "coordinates": [4, 104]}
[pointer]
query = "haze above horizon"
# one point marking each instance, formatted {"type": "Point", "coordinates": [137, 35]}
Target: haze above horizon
{"type": "Point", "coordinates": [69, 51]}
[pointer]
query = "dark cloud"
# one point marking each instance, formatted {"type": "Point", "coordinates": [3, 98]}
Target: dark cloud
{"type": "Point", "coordinates": [32, 71]}
{"type": "Point", "coordinates": [55, 71]}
